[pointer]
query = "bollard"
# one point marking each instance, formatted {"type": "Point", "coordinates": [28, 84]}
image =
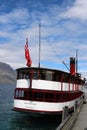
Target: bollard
{"type": "Point", "coordinates": [65, 113]}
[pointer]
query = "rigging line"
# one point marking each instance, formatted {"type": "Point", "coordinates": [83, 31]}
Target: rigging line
{"type": "Point", "coordinates": [59, 58]}
{"type": "Point", "coordinates": [57, 54]}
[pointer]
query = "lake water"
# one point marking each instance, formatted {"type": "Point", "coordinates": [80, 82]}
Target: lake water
{"type": "Point", "coordinates": [11, 120]}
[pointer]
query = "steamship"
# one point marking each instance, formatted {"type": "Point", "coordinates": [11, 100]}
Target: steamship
{"type": "Point", "coordinates": [45, 91]}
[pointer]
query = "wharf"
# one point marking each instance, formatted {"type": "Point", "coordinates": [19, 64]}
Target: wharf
{"type": "Point", "coordinates": [81, 121]}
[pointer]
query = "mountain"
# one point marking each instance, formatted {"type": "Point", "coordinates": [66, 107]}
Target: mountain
{"type": "Point", "coordinates": [7, 74]}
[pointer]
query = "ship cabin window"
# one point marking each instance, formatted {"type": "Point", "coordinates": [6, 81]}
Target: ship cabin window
{"type": "Point", "coordinates": [49, 75]}
{"type": "Point", "coordinates": [66, 77]}
{"type": "Point", "coordinates": [23, 74]}
{"type": "Point", "coordinates": [55, 76]}
{"type": "Point", "coordinates": [39, 74]}
{"type": "Point", "coordinates": [49, 97]}
{"type": "Point", "coordinates": [71, 79]}
{"type": "Point", "coordinates": [58, 97]}
{"type": "Point", "coordinates": [38, 96]}
{"type": "Point", "coordinates": [42, 74]}
{"type": "Point", "coordinates": [19, 75]}
{"type": "Point", "coordinates": [16, 93]}
{"type": "Point", "coordinates": [60, 77]}
{"type": "Point", "coordinates": [35, 74]}
{"type": "Point", "coordinates": [19, 93]}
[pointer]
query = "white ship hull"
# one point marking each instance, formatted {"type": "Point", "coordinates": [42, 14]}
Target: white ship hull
{"type": "Point", "coordinates": [44, 107]}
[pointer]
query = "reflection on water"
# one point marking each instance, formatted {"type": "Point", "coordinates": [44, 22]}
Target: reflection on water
{"type": "Point", "coordinates": [11, 120]}
{"type": "Point", "coordinates": [27, 122]}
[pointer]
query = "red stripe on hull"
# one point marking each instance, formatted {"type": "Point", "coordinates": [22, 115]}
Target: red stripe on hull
{"type": "Point", "coordinates": [38, 112]}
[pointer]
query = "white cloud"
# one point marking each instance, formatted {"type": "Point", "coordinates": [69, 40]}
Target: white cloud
{"type": "Point", "coordinates": [60, 37]}
{"type": "Point", "coordinates": [17, 16]}
{"type": "Point", "coordinates": [78, 10]}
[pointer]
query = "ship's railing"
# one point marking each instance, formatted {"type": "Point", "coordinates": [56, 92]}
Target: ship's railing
{"type": "Point", "coordinates": [46, 96]}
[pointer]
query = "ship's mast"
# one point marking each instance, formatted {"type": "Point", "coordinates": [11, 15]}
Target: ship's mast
{"type": "Point", "coordinates": [39, 42]}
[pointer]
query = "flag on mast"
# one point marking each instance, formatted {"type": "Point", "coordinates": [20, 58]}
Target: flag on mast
{"type": "Point", "coordinates": [27, 54]}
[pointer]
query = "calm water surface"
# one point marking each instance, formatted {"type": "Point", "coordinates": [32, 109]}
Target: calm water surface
{"type": "Point", "coordinates": [11, 120]}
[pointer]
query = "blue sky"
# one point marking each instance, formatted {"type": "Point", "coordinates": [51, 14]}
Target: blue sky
{"type": "Point", "coordinates": [63, 30]}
